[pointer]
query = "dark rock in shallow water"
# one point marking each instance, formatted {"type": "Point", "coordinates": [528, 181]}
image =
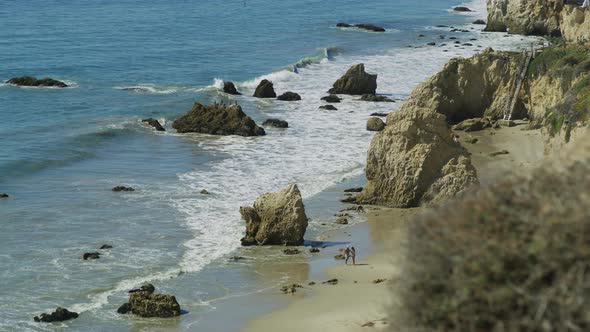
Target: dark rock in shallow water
{"type": "Point", "coordinates": [123, 188]}
{"type": "Point", "coordinates": [124, 308]}
{"type": "Point", "coordinates": [276, 123]}
{"type": "Point", "coordinates": [230, 88]}
{"type": "Point", "coordinates": [146, 304]}
{"type": "Point", "coordinates": [2, 195]}
{"type": "Point", "coordinates": [217, 119]}
{"type": "Point", "coordinates": [91, 255]}
{"type": "Point", "coordinates": [379, 114]}
{"type": "Point", "coordinates": [144, 288]}
{"type": "Point", "coordinates": [32, 81]}
{"type": "Point", "coordinates": [462, 9]}
{"type": "Point", "coordinates": [431, 44]}
{"type": "Point", "coordinates": [154, 123]}
{"type": "Point", "coordinates": [344, 25]}
{"type": "Point", "coordinates": [353, 190]}
{"type": "Point", "coordinates": [370, 27]}
{"type": "Point", "coordinates": [374, 98]}
{"type": "Point", "coordinates": [331, 99]}
{"type": "Point", "coordinates": [328, 107]}
{"type": "Point", "coordinates": [204, 192]}
{"type": "Point", "coordinates": [59, 315]}
{"type": "Point", "coordinates": [289, 96]}
{"type": "Point", "coordinates": [291, 251]}
{"type": "Point", "coordinates": [355, 82]}
{"type": "Point", "coordinates": [265, 90]}
{"type": "Point", "coordinates": [375, 124]}
{"type": "Point", "coordinates": [351, 199]}
{"type": "Point", "coordinates": [106, 246]}
{"type": "Point", "coordinates": [236, 258]}
{"type": "Point", "coordinates": [314, 250]}
{"type": "Point", "coordinates": [480, 22]}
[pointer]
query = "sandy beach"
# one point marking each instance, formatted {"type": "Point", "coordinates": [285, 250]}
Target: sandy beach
{"type": "Point", "coordinates": [360, 300]}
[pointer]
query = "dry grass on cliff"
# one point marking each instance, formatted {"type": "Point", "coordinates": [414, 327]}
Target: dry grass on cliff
{"type": "Point", "coordinates": [513, 257]}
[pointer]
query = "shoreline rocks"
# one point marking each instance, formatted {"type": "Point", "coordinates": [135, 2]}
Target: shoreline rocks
{"type": "Point", "coordinates": [144, 302]}
{"type": "Point", "coordinates": [265, 89]}
{"type": "Point", "coordinates": [32, 81]}
{"type": "Point", "coordinates": [275, 219]}
{"type": "Point", "coordinates": [355, 82]}
{"type": "Point", "coordinates": [154, 123]}
{"type": "Point", "coordinates": [59, 315]}
{"type": "Point", "coordinates": [217, 119]}
{"type": "Point", "coordinates": [277, 123]}
{"type": "Point", "coordinates": [289, 96]}
{"type": "Point", "coordinates": [230, 88]}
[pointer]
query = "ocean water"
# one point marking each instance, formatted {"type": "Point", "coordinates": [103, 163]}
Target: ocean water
{"type": "Point", "coordinates": [63, 150]}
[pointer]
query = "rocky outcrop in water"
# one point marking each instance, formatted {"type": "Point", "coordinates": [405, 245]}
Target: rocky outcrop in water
{"type": "Point", "coordinates": [90, 255]}
{"type": "Point", "coordinates": [375, 124]}
{"type": "Point", "coordinates": [143, 302]}
{"type": "Point", "coordinates": [276, 123]}
{"type": "Point", "coordinates": [230, 88]}
{"type": "Point", "coordinates": [154, 123]}
{"type": "Point", "coordinates": [217, 119]}
{"type": "Point", "coordinates": [122, 188]}
{"type": "Point", "coordinates": [275, 219]}
{"type": "Point", "coordinates": [355, 82]}
{"type": "Point", "coordinates": [331, 99]}
{"type": "Point", "coordinates": [474, 124]}
{"type": "Point", "coordinates": [328, 107]}
{"type": "Point", "coordinates": [369, 27]}
{"type": "Point", "coordinates": [462, 9]}
{"type": "Point", "coordinates": [414, 161]}
{"type": "Point", "coordinates": [378, 99]}
{"type": "Point", "coordinates": [289, 96]}
{"type": "Point", "coordinates": [59, 315]}
{"type": "Point", "coordinates": [32, 81]}
{"type": "Point", "coordinates": [265, 90]}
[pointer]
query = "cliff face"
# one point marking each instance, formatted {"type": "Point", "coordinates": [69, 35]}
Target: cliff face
{"type": "Point", "coordinates": [539, 17]}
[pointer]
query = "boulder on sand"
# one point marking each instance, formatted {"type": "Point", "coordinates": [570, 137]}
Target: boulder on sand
{"type": "Point", "coordinates": [217, 119]}
{"type": "Point", "coordinates": [154, 123]}
{"type": "Point", "coordinates": [355, 82]}
{"type": "Point", "coordinates": [145, 303]}
{"type": "Point", "coordinates": [275, 219]}
{"type": "Point", "coordinates": [265, 90]}
{"type": "Point", "coordinates": [375, 124]}
{"type": "Point", "coordinates": [32, 81]}
{"type": "Point", "coordinates": [276, 123]}
{"type": "Point", "coordinates": [59, 315]}
{"type": "Point", "coordinates": [230, 88]}
{"type": "Point", "coordinates": [289, 96]}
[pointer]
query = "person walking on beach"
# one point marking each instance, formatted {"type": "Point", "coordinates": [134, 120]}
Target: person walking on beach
{"type": "Point", "coordinates": [346, 255]}
{"type": "Point", "coordinates": [353, 255]}
{"type": "Point", "coordinates": [350, 252]}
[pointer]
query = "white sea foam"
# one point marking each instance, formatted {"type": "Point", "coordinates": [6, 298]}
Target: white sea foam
{"type": "Point", "coordinates": [150, 88]}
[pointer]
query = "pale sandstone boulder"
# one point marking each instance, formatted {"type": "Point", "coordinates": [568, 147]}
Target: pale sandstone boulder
{"type": "Point", "coordinates": [275, 219]}
{"type": "Point", "coordinates": [527, 17]}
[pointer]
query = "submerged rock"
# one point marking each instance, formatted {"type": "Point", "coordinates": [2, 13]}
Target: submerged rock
{"type": "Point", "coordinates": [32, 81]}
{"type": "Point", "coordinates": [289, 96]}
{"type": "Point", "coordinates": [106, 246]}
{"type": "Point", "coordinates": [370, 27]}
{"type": "Point", "coordinates": [154, 123]}
{"type": "Point", "coordinates": [375, 124]}
{"type": "Point", "coordinates": [328, 107]}
{"type": "Point", "coordinates": [331, 99]}
{"type": "Point", "coordinates": [230, 88]}
{"type": "Point", "coordinates": [59, 315]}
{"type": "Point", "coordinates": [217, 119]}
{"type": "Point", "coordinates": [91, 255]}
{"type": "Point", "coordinates": [265, 90]}
{"type": "Point", "coordinates": [276, 123]}
{"type": "Point", "coordinates": [204, 192]}
{"type": "Point", "coordinates": [374, 98]}
{"type": "Point", "coordinates": [462, 9]}
{"type": "Point", "coordinates": [355, 82]}
{"type": "Point", "coordinates": [275, 219]}
{"type": "Point", "coordinates": [122, 188]}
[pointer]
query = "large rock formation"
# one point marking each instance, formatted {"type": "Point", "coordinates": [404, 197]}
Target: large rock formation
{"type": "Point", "coordinates": [265, 89]}
{"type": "Point", "coordinates": [355, 82]}
{"type": "Point", "coordinates": [275, 219]}
{"type": "Point", "coordinates": [217, 119]}
{"type": "Point", "coordinates": [59, 315]}
{"type": "Point", "coordinates": [143, 302]}
{"type": "Point", "coordinates": [32, 81]}
{"type": "Point", "coordinates": [230, 88]}
{"type": "Point", "coordinates": [414, 161]}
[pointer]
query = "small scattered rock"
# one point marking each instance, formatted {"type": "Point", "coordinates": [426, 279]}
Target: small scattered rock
{"type": "Point", "coordinates": [375, 98]}
{"type": "Point", "coordinates": [471, 140]}
{"type": "Point", "coordinates": [154, 123]}
{"type": "Point", "coordinates": [124, 308]}
{"type": "Point", "coordinates": [331, 99]}
{"type": "Point", "coordinates": [462, 9]}
{"type": "Point", "coordinates": [378, 281]}
{"type": "Point", "coordinates": [106, 246]}
{"type": "Point", "coordinates": [276, 123]}
{"type": "Point", "coordinates": [230, 88]}
{"type": "Point", "coordinates": [467, 44]}
{"type": "Point", "coordinates": [344, 25]}
{"type": "Point", "coordinates": [122, 188]}
{"type": "Point", "coordinates": [474, 124]}
{"type": "Point", "coordinates": [290, 289]}
{"type": "Point", "coordinates": [145, 303]}
{"type": "Point", "coordinates": [342, 214]}
{"type": "Point", "coordinates": [421, 36]}
{"type": "Point", "coordinates": [311, 283]}
{"type": "Point", "coordinates": [351, 199]}
{"type": "Point", "coordinates": [356, 81]}
{"type": "Point", "coordinates": [506, 123]}
{"type": "Point", "coordinates": [91, 255]}
{"type": "Point", "coordinates": [479, 22]}
{"type": "Point", "coordinates": [357, 208]}
{"type": "Point", "coordinates": [368, 324]}
{"type": "Point", "coordinates": [204, 192]}
{"type": "Point", "coordinates": [59, 315]}
{"type": "Point", "coordinates": [328, 107]}
{"type": "Point", "coordinates": [497, 153]}
{"type": "Point", "coordinates": [289, 96]}
{"type": "Point", "coordinates": [379, 114]}
{"type": "Point", "coordinates": [431, 44]}
{"type": "Point", "coordinates": [314, 250]}
{"type": "Point", "coordinates": [291, 251]}
{"type": "Point", "coordinates": [144, 288]}
{"type": "Point", "coordinates": [236, 258]}
{"type": "Point", "coordinates": [2, 195]}
{"type": "Point", "coordinates": [342, 221]}
{"type": "Point", "coordinates": [331, 282]}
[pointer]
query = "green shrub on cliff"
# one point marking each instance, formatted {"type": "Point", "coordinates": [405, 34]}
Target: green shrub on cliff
{"type": "Point", "coordinates": [559, 60]}
{"type": "Point", "coordinates": [513, 257]}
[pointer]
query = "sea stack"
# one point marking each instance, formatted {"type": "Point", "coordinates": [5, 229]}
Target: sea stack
{"type": "Point", "coordinates": [355, 82]}
{"type": "Point", "coordinates": [217, 119]}
{"type": "Point", "coordinates": [265, 90]}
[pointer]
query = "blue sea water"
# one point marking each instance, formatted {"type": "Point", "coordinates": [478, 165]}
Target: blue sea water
{"type": "Point", "coordinates": [62, 150]}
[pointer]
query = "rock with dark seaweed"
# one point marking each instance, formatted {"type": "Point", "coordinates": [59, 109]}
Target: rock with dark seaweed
{"type": "Point", "coordinates": [32, 81]}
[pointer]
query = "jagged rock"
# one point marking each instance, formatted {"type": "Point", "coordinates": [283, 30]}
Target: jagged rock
{"type": "Point", "coordinates": [265, 90]}
{"type": "Point", "coordinates": [351, 199]}
{"type": "Point", "coordinates": [230, 88]}
{"type": "Point", "coordinates": [32, 81]}
{"type": "Point", "coordinates": [122, 188]}
{"type": "Point", "coordinates": [146, 304]}
{"type": "Point", "coordinates": [149, 288]}
{"type": "Point", "coordinates": [275, 219]}
{"type": "Point", "coordinates": [331, 99]}
{"type": "Point", "coordinates": [375, 124]}
{"type": "Point", "coordinates": [154, 123]}
{"type": "Point", "coordinates": [479, 22]}
{"type": "Point", "coordinates": [462, 9]}
{"type": "Point", "coordinates": [217, 119]}
{"type": "Point", "coordinates": [474, 124]}
{"type": "Point", "coordinates": [328, 107]}
{"type": "Point", "coordinates": [60, 314]}
{"type": "Point", "coordinates": [289, 96]}
{"type": "Point", "coordinates": [2, 195]}
{"type": "Point", "coordinates": [276, 123]}
{"type": "Point", "coordinates": [353, 190]}
{"type": "Point", "coordinates": [431, 44]}
{"type": "Point", "coordinates": [374, 98]}
{"type": "Point", "coordinates": [355, 82]}
{"type": "Point", "coordinates": [91, 255]}
{"type": "Point", "coordinates": [414, 161]}
{"type": "Point", "coordinates": [106, 246]}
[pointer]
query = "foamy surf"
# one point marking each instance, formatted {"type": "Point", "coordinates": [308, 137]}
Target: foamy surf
{"type": "Point", "coordinates": [151, 88]}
